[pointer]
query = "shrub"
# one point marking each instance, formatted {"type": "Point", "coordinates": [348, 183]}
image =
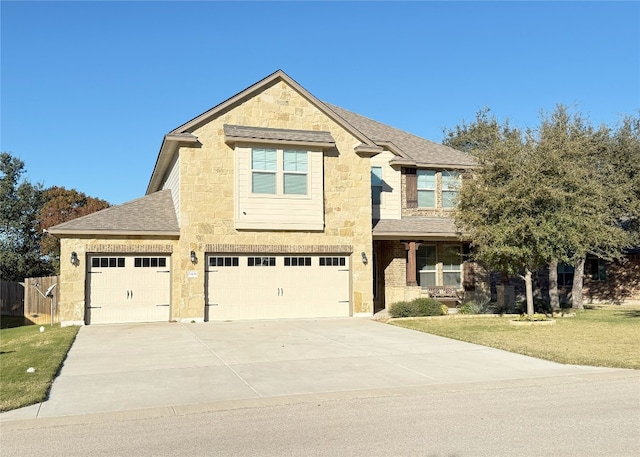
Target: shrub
{"type": "Point", "coordinates": [444, 309]}
{"type": "Point", "coordinates": [403, 309]}
{"type": "Point", "coordinates": [418, 307]}
{"type": "Point", "coordinates": [476, 307]}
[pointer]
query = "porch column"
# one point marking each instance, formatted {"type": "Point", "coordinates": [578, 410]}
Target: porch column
{"type": "Point", "coordinates": [411, 247]}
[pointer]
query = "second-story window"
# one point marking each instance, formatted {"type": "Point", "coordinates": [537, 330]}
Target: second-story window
{"type": "Point", "coordinates": [278, 171]}
{"type": "Point", "coordinates": [376, 185]}
{"type": "Point", "coordinates": [426, 188]}
{"type": "Point", "coordinates": [450, 188]}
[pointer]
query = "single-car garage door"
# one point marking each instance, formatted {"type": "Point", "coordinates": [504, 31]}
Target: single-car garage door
{"type": "Point", "coordinates": [269, 286]}
{"type": "Point", "coordinates": [131, 288]}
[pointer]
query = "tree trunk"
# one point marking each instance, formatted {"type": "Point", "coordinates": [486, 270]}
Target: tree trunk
{"type": "Point", "coordinates": [576, 291]}
{"type": "Point", "coordinates": [529, 288]}
{"type": "Point", "coordinates": [554, 298]}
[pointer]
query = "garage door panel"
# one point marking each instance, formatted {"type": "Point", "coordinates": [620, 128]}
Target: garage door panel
{"type": "Point", "coordinates": [276, 286]}
{"type": "Point", "coordinates": [128, 289]}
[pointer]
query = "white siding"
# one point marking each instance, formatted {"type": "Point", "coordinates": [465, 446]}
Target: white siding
{"type": "Point", "coordinates": [279, 212]}
{"type": "Point", "coordinates": [173, 182]}
{"type": "Point", "coordinates": [391, 198]}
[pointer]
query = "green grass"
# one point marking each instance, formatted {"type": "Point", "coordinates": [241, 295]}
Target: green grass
{"type": "Point", "coordinates": [24, 347]}
{"type": "Point", "coordinates": [605, 337]}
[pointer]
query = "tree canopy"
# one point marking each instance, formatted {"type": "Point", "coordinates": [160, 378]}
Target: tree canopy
{"type": "Point", "coordinates": [556, 193]}
{"type": "Point", "coordinates": [25, 210]}
{"type": "Point", "coordinates": [20, 202]}
{"type": "Point", "coordinates": [62, 205]}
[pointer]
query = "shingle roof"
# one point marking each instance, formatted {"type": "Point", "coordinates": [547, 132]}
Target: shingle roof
{"type": "Point", "coordinates": [416, 225]}
{"type": "Point", "coordinates": [262, 133]}
{"type": "Point", "coordinates": [422, 151]}
{"type": "Point", "coordinates": [152, 214]}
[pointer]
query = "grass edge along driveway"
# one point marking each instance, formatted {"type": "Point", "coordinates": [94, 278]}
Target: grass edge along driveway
{"type": "Point", "coordinates": [27, 347]}
{"type": "Point", "coordinates": [603, 337]}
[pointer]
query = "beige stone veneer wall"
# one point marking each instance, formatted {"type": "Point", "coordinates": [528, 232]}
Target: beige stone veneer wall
{"type": "Point", "coordinates": [73, 278]}
{"type": "Point", "coordinates": [207, 196]}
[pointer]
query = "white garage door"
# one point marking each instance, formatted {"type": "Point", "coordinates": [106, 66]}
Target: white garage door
{"type": "Point", "coordinates": [276, 286]}
{"type": "Point", "coordinates": [128, 289]}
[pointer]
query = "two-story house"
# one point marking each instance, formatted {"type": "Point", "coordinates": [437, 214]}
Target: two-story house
{"type": "Point", "coordinates": [272, 204]}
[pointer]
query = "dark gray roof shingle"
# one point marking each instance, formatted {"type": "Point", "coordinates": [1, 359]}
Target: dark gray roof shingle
{"type": "Point", "coordinates": [262, 133]}
{"type": "Point", "coordinates": [416, 225]}
{"type": "Point", "coordinates": [422, 151]}
{"type": "Point", "coordinates": [153, 213]}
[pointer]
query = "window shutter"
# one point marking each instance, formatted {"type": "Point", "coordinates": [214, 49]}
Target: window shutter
{"type": "Point", "coordinates": [411, 187]}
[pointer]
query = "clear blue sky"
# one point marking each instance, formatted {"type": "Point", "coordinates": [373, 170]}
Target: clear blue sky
{"type": "Point", "coordinates": [89, 89]}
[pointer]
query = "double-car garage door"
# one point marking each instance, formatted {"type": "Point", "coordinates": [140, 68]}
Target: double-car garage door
{"type": "Point", "coordinates": [128, 288]}
{"type": "Point", "coordinates": [265, 286]}
{"type": "Point", "coordinates": [137, 288]}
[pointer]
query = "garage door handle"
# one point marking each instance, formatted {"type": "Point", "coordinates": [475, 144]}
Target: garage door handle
{"type": "Point", "coordinates": [163, 305]}
{"type": "Point", "coordinates": [95, 307]}
{"type": "Point", "coordinates": [127, 295]}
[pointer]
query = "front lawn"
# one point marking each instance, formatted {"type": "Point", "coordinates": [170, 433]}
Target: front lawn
{"type": "Point", "coordinates": [606, 337]}
{"type": "Point", "coordinates": [26, 347]}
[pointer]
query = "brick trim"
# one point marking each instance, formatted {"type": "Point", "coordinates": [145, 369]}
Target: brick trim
{"type": "Point", "coordinates": [131, 248]}
{"type": "Point", "coordinates": [280, 248]}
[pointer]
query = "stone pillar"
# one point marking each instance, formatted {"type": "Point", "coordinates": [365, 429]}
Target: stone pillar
{"type": "Point", "coordinates": [411, 247]}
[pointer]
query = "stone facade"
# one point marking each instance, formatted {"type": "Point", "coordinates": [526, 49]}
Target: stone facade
{"type": "Point", "coordinates": [207, 195]}
{"type": "Point", "coordinates": [73, 278]}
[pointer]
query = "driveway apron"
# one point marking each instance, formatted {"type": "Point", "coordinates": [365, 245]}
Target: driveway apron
{"type": "Point", "coordinates": [114, 368]}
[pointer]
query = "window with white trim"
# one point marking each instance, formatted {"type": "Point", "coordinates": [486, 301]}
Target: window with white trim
{"type": "Point", "coordinates": [279, 171]}
{"type": "Point", "coordinates": [426, 261]}
{"type": "Point", "coordinates": [426, 188]}
{"type": "Point", "coordinates": [452, 265]}
{"type": "Point", "coordinates": [450, 188]}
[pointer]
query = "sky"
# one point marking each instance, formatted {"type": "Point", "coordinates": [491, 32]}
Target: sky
{"type": "Point", "coordinates": [89, 89]}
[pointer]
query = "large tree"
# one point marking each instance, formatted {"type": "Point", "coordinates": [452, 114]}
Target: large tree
{"type": "Point", "coordinates": [20, 202]}
{"type": "Point", "coordinates": [506, 212]}
{"type": "Point", "coordinates": [549, 195]}
{"type": "Point", "coordinates": [591, 203]}
{"type": "Point", "coordinates": [62, 205]}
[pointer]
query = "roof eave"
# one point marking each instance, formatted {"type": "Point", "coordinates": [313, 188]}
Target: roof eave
{"type": "Point", "coordinates": [161, 233]}
{"type": "Point", "coordinates": [170, 144]}
{"type": "Point", "coordinates": [231, 140]}
{"type": "Point", "coordinates": [413, 163]}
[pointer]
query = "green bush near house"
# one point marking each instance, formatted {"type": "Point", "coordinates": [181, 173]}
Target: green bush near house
{"type": "Point", "coordinates": [475, 307]}
{"type": "Point", "coordinates": [418, 307]}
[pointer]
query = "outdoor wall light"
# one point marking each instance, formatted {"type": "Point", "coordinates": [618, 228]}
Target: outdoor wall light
{"type": "Point", "coordinates": [193, 257]}
{"type": "Point", "coordinates": [74, 259]}
{"type": "Point", "coordinates": [364, 258]}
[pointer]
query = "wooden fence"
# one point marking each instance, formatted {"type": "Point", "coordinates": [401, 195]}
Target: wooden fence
{"type": "Point", "coordinates": [38, 307]}
{"type": "Point", "coordinates": [29, 299]}
{"type": "Point", "coordinates": [11, 298]}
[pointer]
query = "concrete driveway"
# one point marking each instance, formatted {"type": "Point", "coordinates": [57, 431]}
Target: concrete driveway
{"type": "Point", "coordinates": [170, 366]}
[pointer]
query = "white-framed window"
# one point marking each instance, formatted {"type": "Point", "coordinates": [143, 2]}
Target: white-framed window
{"type": "Point", "coordinates": [376, 185]}
{"type": "Point", "coordinates": [452, 265]}
{"type": "Point", "coordinates": [450, 188]}
{"type": "Point", "coordinates": [426, 260]}
{"type": "Point", "coordinates": [426, 184]}
{"type": "Point", "coordinates": [264, 170]}
{"type": "Point", "coordinates": [295, 169]}
{"type": "Point", "coordinates": [279, 171]}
